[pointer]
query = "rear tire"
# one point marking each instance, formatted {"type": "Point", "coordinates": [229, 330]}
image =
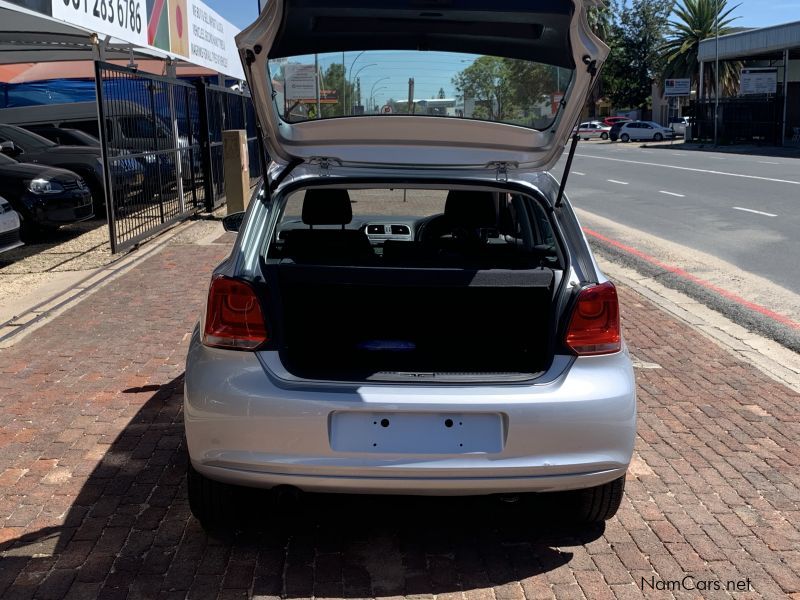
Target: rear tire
{"type": "Point", "coordinates": [625, 138]}
{"type": "Point", "coordinates": [604, 136]}
{"type": "Point", "coordinates": [209, 500]}
{"type": "Point", "coordinates": [658, 138]}
{"type": "Point", "coordinates": [599, 504]}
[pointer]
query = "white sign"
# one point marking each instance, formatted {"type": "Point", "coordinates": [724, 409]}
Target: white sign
{"type": "Point", "coordinates": [677, 87]}
{"type": "Point", "coordinates": [386, 109]}
{"type": "Point", "coordinates": [300, 81]}
{"type": "Point", "coordinates": [211, 41]}
{"type": "Point", "coordinates": [121, 19]}
{"type": "Point", "coordinates": [758, 81]}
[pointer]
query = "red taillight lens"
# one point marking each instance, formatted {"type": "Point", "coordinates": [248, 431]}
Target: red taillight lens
{"type": "Point", "coordinates": [233, 316]}
{"type": "Point", "coordinates": [594, 328]}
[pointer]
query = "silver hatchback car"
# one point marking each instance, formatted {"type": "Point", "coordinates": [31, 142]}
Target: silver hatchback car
{"type": "Point", "coordinates": [411, 306]}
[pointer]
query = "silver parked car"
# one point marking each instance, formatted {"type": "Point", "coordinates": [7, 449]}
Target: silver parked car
{"type": "Point", "coordinates": [411, 306]}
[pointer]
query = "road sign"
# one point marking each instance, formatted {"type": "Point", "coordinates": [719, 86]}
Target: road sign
{"type": "Point", "coordinates": [674, 88]}
{"type": "Point", "coordinates": [301, 81]}
{"type": "Point", "coordinates": [386, 109]}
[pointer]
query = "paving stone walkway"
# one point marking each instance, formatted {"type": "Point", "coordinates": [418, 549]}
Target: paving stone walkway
{"type": "Point", "coordinates": [93, 499]}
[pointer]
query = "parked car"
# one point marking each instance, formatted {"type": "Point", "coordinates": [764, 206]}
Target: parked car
{"type": "Point", "coordinates": [64, 136]}
{"type": "Point", "coordinates": [613, 133]}
{"type": "Point", "coordinates": [679, 125]}
{"type": "Point", "coordinates": [9, 227]}
{"type": "Point", "coordinates": [470, 348]}
{"type": "Point", "coordinates": [592, 130]}
{"type": "Point", "coordinates": [44, 197]}
{"type": "Point", "coordinates": [86, 161]}
{"type": "Point", "coordinates": [645, 130]}
{"type": "Point", "coordinates": [611, 121]}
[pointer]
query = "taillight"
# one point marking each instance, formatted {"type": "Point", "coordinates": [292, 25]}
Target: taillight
{"type": "Point", "coordinates": [594, 328]}
{"type": "Point", "coordinates": [233, 316]}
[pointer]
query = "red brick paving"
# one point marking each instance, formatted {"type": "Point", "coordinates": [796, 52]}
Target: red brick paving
{"type": "Point", "coordinates": [93, 500]}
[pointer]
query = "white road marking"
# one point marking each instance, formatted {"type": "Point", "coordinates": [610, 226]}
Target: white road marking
{"type": "Point", "coordinates": [718, 157]}
{"type": "Point", "coordinates": [755, 212]}
{"type": "Point", "coordinates": [672, 194]}
{"type": "Point", "coordinates": [579, 173]}
{"type": "Point", "coordinates": [619, 182]}
{"type": "Point", "coordinates": [649, 164]}
{"type": "Point", "coordinates": [767, 162]}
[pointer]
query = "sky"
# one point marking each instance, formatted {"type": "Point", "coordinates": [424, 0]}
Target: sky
{"type": "Point", "coordinates": [439, 73]}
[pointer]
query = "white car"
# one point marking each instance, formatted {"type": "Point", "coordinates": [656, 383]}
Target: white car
{"type": "Point", "coordinates": [9, 227]}
{"type": "Point", "coordinates": [411, 306]}
{"type": "Point", "coordinates": [679, 125]}
{"type": "Point", "coordinates": [645, 130]}
{"type": "Point", "coordinates": [593, 130]}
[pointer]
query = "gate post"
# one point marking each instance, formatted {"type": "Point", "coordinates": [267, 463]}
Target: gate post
{"type": "Point", "coordinates": [205, 145]}
{"type": "Point", "coordinates": [111, 212]}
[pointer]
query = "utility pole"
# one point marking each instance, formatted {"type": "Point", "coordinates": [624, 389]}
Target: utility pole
{"type": "Point", "coordinates": [411, 96]}
{"type": "Point", "coordinates": [716, 74]}
{"type": "Point", "coordinates": [316, 73]}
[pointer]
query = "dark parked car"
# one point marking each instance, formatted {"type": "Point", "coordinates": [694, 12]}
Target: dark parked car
{"type": "Point", "coordinates": [613, 135]}
{"type": "Point", "coordinates": [44, 197]}
{"type": "Point", "coordinates": [63, 136]}
{"type": "Point", "coordinates": [27, 147]}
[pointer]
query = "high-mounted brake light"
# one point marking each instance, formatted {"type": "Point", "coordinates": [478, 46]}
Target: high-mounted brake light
{"type": "Point", "coordinates": [233, 319]}
{"type": "Point", "coordinates": [594, 328]}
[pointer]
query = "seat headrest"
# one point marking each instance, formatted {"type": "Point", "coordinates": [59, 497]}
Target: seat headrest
{"type": "Point", "coordinates": [471, 209]}
{"type": "Point", "coordinates": [327, 207]}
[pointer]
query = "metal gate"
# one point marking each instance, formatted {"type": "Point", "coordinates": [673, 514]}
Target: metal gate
{"type": "Point", "coordinates": [228, 109]}
{"type": "Point", "coordinates": [150, 129]}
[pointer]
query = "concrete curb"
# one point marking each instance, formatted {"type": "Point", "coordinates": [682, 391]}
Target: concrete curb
{"type": "Point", "coordinates": [769, 357]}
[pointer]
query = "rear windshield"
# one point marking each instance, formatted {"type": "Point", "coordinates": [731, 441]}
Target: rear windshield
{"type": "Point", "coordinates": [420, 83]}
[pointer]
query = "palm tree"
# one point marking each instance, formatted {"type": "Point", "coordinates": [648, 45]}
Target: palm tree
{"type": "Point", "coordinates": [694, 21]}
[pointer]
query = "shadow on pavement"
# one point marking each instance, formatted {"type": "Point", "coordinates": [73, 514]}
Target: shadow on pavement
{"type": "Point", "coordinates": [128, 531]}
{"type": "Point", "coordinates": [768, 151]}
{"type": "Point", "coordinates": [49, 241]}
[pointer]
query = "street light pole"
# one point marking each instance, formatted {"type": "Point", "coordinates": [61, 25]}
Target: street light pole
{"type": "Point", "coordinates": [372, 89]}
{"type": "Point", "coordinates": [716, 75]}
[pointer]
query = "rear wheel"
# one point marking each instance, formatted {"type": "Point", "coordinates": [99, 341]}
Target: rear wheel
{"type": "Point", "coordinates": [658, 137]}
{"type": "Point", "coordinates": [625, 138]}
{"type": "Point", "coordinates": [603, 136]}
{"type": "Point", "coordinates": [598, 504]}
{"type": "Point", "coordinates": [209, 500]}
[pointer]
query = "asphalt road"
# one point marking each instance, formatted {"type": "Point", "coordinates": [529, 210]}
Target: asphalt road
{"type": "Point", "coordinates": [742, 209]}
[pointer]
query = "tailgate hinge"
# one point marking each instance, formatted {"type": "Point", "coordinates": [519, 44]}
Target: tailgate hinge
{"type": "Point", "coordinates": [501, 169]}
{"type": "Point", "coordinates": [324, 164]}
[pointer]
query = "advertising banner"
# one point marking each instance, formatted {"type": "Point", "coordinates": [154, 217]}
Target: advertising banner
{"type": "Point", "coordinates": [186, 29]}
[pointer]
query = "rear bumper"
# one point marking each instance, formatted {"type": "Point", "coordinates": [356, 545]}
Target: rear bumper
{"type": "Point", "coordinates": [245, 427]}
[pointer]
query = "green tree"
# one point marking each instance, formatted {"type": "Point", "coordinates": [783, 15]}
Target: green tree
{"type": "Point", "coordinates": [487, 82]}
{"type": "Point", "coordinates": [636, 59]}
{"type": "Point", "coordinates": [441, 94]}
{"type": "Point", "coordinates": [333, 78]}
{"type": "Point", "coordinates": [694, 21]}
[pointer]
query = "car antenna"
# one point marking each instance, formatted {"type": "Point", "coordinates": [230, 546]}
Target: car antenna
{"type": "Point", "coordinates": [575, 139]}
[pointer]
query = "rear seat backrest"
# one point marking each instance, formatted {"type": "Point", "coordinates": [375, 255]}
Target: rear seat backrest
{"type": "Point", "coordinates": [327, 246]}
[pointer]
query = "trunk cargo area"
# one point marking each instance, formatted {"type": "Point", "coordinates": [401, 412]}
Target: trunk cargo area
{"type": "Point", "coordinates": [366, 323]}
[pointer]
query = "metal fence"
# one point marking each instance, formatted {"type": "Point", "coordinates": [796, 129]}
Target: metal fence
{"type": "Point", "coordinates": [162, 148]}
{"type": "Point", "coordinates": [741, 121]}
{"type": "Point", "coordinates": [228, 109]}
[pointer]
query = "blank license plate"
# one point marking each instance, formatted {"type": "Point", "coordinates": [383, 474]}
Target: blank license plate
{"type": "Point", "coordinates": [416, 433]}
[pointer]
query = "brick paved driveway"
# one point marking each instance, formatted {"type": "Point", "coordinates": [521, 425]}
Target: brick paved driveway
{"type": "Point", "coordinates": [93, 501]}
